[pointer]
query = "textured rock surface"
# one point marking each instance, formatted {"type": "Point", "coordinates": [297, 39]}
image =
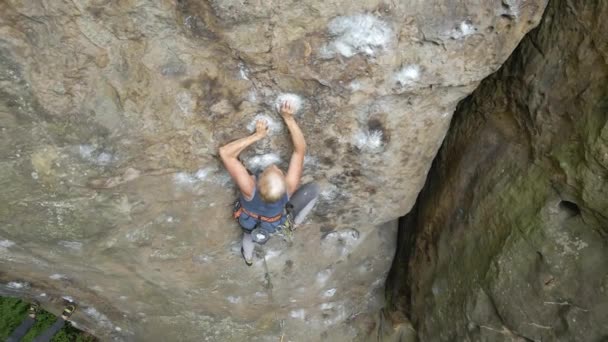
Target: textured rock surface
{"type": "Point", "coordinates": [111, 113]}
{"type": "Point", "coordinates": [510, 234]}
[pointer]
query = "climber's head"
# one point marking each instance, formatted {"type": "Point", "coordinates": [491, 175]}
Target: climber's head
{"type": "Point", "coordinates": [271, 184]}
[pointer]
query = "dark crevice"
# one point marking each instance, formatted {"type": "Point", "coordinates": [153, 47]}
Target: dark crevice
{"type": "Point", "coordinates": [570, 207]}
{"type": "Point", "coordinates": [398, 288]}
{"type": "Point", "coordinates": [398, 291]}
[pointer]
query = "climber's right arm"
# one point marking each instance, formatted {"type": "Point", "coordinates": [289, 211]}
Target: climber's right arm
{"type": "Point", "coordinates": [296, 164]}
{"type": "Point", "coordinates": [229, 154]}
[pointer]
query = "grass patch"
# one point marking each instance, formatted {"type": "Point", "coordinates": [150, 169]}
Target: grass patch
{"type": "Point", "coordinates": [13, 311]}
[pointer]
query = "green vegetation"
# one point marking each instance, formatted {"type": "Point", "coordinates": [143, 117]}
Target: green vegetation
{"type": "Point", "coordinates": [13, 311]}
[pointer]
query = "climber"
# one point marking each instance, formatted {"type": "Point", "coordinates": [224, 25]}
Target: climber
{"type": "Point", "coordinates": [266, 203]}
{"type": "Point", "coordinates": [29, 321]}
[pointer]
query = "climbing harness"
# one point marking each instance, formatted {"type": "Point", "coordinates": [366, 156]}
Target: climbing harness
{"type": "Point", "coordinates": [238, 210]}
{"type": "Point", "coordinates": [260, 235]}
{"type": "Point", "coordinates": [289, 223]}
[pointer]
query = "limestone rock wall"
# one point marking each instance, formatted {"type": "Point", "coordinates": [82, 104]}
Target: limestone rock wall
{"type": "Point", "coordinates": [111, 113]}
{"type": "Point", "coordinates": [510, 235]}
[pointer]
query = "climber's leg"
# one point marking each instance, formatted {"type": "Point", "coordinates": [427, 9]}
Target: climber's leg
{"type": "Point", "coordinates": [48, 334]}
{"type": "Point", "coordinates": [27, 323]}
{"type": "Point", "coordinates": [22, 329]}
{"type": "Point", "coordinates": [303, 200]}
{"type": "Point", "coordinates": [247, 248]}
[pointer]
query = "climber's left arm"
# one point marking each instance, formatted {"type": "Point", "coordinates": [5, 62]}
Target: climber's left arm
{"type": "Point", "coordinates": [229, 154]}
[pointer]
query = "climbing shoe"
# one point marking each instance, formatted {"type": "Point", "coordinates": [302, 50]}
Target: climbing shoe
{"type": "Point", "coordinates": [34, 308]}
{"type": "Point", "coordinates": [248, 262]}
{"type": "Point", "coordinates": [68, 311]}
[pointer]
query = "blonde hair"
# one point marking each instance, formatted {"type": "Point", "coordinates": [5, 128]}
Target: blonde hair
{"type": "Point", "coordinates": [271, 185]}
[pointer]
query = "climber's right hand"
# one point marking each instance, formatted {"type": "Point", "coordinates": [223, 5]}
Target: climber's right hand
{"type": "Point", "coordinates": [287, 110]}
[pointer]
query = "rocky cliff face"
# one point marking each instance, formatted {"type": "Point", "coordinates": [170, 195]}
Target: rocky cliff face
{"type": "Point", "coordinates": [111, 113]}
{"type": "Point", "coordinates": [509, 239]}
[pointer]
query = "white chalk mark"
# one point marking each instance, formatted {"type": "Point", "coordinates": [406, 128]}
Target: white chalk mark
{"type": "Point", "coordinates": [244, 71]}
{"type": "Point", "coordinates": [362, 33]}
{"type": "Point", "coordinates": [323, 276]}
{"type": "Point", "coordinates": [408, 75]}
{"type": "Point", "coordinates": [274, 126]}
{"type": "Point", "coordinates": [370, 141]}
{"type": "Point", "coordinates": [17, 285]}
{"type": "Point", "coordinates": [294, 100]}
{"type": "Point", "coordinates": [260, 162]}
{"type": "Point", "coordinates": [96, 156]}
{"type": "Point", "coordinates": [57, 276]}
{"type": "Point", "coordinates": [329, 293]}
{"type": "Point", "coordinates": [464, 29]}
{"type": "Point", "coordinates": [6, 243]}
{"type": "Point", "coordinates": [298, 314]}
{"type": "Point", "coordinates": [234, 299]}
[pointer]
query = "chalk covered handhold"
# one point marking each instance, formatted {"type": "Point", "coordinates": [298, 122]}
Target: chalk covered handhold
{"type": "Point", "coordinates": [294, 100]}
{"type": "Point", "coordinates": [274, 125]}
{"type": "Point", "coordinates": [409, 74]}
{"type": "Point", "coordinates": [362, 33]}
